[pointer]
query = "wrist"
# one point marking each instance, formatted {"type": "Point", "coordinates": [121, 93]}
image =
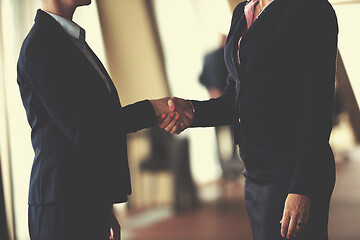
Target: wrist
{"type": "Point", "coordinates": [192, 106]}
{"type": "Point", "coordinates": [155, 107]}
{"type": "Point", "coordinates": [159, 105]}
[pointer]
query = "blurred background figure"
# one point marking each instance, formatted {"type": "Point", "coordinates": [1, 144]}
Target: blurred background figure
{"type": "Point", "coordinates": [214, 72]}
{"type": "Point", "coordinates": [167, 61]}
{"type": "Point", "coordinates": [213, 77]}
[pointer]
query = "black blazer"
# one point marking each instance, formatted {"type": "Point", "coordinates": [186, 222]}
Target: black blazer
{"type": "Point", "coordinates": [78, 128]}
{"type": "Point", "coordinates": [283, 91]}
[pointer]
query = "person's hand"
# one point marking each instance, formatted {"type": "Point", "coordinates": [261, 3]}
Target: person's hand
{"type": "Point", "coordinates": [115, 230]}
{"type": "Point", "coordinates": [183, 116]}
{"type": "Point", "coordinates": [295, 215]}
{"type": "Point", "coordinates": [166, 118]}
{"type": "Point", "coordinates": [161, 107]}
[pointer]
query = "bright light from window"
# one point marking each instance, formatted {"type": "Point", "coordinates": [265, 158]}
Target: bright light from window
{"type": "Point", "coordinates": [349, 37]}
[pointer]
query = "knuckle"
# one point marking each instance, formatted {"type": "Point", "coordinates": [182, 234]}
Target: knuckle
{"type": "Point", "coordinates": [291, 213]}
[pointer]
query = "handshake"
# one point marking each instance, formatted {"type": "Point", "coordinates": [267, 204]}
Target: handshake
{"type": "Point", "coordinates": [174, 115]}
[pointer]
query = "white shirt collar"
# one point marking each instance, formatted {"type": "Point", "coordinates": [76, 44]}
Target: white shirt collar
{"type": "Point", "coordinates": [69, 27]}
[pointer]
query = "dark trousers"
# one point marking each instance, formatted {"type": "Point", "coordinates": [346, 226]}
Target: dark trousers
{"type": "Point", "coordinates": [265, 201]}
{"type": "Point", "coordinates": [69, 221]}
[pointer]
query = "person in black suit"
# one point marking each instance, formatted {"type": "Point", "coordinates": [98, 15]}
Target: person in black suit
{"type": "Point", "coordinates": [78, 129]}
{"type": "Point", "coordinates": [281, 58]}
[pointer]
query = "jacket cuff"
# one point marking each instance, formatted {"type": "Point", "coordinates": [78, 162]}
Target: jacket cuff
{"type": "Point", "coordinates": [304, 177]}
{"type": "Point", "coordinates": [199, 113]}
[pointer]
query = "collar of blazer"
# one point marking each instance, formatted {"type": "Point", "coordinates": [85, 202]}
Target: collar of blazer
{"type": "Point", "coordinates": [269, 12]}
{"type": "Point", "coordinates": [52, 28]}
{"type": "Point", "coordinates": [61, 39]}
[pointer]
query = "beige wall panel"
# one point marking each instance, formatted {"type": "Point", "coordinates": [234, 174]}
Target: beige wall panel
{"type": "Point", "coordinates": [234, 3]}
{"type": "Point", "coordinates": [132, 53]}
{"type": "Point", "coordinates": [4, 146]}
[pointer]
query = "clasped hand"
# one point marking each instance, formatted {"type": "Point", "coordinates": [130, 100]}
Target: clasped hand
{"type": "Point", "coordinates": [174, 114]}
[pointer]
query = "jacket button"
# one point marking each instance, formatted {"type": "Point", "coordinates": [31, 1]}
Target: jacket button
{"type": "Point", "coordinates": [239, 120]}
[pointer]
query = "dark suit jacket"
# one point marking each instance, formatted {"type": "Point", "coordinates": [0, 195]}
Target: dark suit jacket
{"type": "Point", "coordinates": [283, 91]}
{"type": "Point", "coordinates": [78, 128]}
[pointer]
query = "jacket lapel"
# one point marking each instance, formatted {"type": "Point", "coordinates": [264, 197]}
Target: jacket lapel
{"type": "Point", "coordinates": [267, 13]}
{"type": "Point", "coordinates": [102, 68]}
{"type": "Point", "coordinates": [239, 30]}
{"type": "Point", "coordinates": [242, 31]}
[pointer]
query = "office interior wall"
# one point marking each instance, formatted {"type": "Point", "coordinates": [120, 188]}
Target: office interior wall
{"type": "Point", "coordinates": [234, 3]}
{"type": "Point", "coordinates": [345, 134]}
{"type": "Point", "coordinates": [5, 164]}
{"type": "Point", "coordinates": [349, 38]}
{"type": "Point", "coordinates": [188, 30]}
{"type": "Point", "coordinates": [17, 16]}
{"type": "Point", "coordinates": [134, 58]}
{"type": "Point", "coordinates": [136, 66]}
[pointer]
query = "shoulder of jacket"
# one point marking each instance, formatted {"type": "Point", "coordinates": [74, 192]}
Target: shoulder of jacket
{"type": "Point", "coordinates": [310, 4]}
{"type": "Point", "coordinates": [38, 46]}
{"type": "Point", "coordinates": [313, 7]}
{"type": "Point", "coordinates": [240, 6]}
{"type": "Point", "coordinates": [34, 41]}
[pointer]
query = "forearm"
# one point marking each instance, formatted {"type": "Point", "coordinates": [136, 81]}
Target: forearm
{"type": "Point", "coordinates": [213, 112]}
{"type": "Point", "coordinates": [138, 116]}
{"type": "Point", "coordinates": [218, 111]}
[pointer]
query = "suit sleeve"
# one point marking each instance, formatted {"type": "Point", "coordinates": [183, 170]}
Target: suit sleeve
{"type": "Point", "coordinates": [215, 112]}
{"type": "Point", "coordinates": [75, 102]}
{"type": "Point", "coordinates": [319, 49]}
